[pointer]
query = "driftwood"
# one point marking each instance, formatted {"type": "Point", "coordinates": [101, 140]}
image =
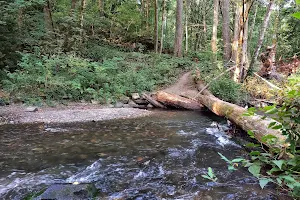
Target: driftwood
{"type": "Point", "coordinates": [153, 101]}
{"type": "Point", "coordinates": [177, 101]}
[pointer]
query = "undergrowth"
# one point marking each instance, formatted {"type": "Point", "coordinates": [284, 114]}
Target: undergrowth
{"type": "Point", "coordinates": [105, 74]}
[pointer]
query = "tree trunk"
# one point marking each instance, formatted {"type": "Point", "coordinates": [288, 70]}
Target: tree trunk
{"type": "Point", "coordinates": [163, 24]}
{"type": "Point", "coordinates": [186, 26]}
{"type": "Point", "coordinates": [236, 35]}
{"type": "Point", "coordinates": [147, 15]}
{"type": "Point", "coordinates": [48, 16]}
{"type": "Point", "coordinates": [226, 30]}
{"type": "Point", "coordinates": [248, 123]}
{"type": "Point", "coordinates": [20, 17]}
{"type": "Point", "coordinates": [101, 7]}
{"type": "Point", "coordinates": [179, 29]}
{"type": "Point", "coordinates": [73, 6]}
{"type": "Point", "coordinates": [241, 43]}
{"type": "Point", "coordinates": [253, 23]}
{"type": "Point", "coordinates": [82, 10]}
{"type": "Point", "coordinates": [245, 59]}
{"type": "Point", "coordinates": [262, 34]}
{"type": "Point", "coordinates": [156, 25]}
{"type": "Point", "coordinates": [214, 44]}
{"type": "Point", "coordinates": [175, 101]}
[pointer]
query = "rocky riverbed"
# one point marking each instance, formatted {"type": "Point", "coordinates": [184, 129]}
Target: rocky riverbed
{"type": "Point", "coordinates": [73, 112]}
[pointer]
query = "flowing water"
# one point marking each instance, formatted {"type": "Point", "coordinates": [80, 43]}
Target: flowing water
{"type": "Point", "coordinates": [158, 157]}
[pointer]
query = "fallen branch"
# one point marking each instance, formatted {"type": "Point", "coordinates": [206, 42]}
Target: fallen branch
{"type": "Point", "coordinates": [268, 82]}
{"type": "Point", "coordinates": [153, 101]}
{"type": "Point", "coordinates": [206, 86]}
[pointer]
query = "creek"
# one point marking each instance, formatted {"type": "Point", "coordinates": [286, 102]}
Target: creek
{"type": "Point", "coordinates": [161, 156]}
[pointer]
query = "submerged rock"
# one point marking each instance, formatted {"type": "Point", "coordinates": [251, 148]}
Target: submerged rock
{"type": "Point", "coordinates": [69, 191]}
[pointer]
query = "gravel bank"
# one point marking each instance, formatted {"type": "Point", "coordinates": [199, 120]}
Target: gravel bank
{"type": "Point", "coordinates": [66, 114]}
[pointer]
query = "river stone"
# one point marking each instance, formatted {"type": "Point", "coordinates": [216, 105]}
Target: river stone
{"type": "Point", "coordinates": [127, 106]}
{"type": "Point", "coordinates": [69, 192]}
{"type": "Point", "coordinates": [149, 106]}
{"type": "Point", "coordinates": [141, 101]}
{"type": "Point", "coordinates": [124, 99]}
{"type": "Point", "coordinates": [132, 104]}
{"type": "Point", "coordinates": [135, 96]}
{"type": "Point", "coordinates": [95, 102]}
{"type": "Point", "coordinates": [2, 102]}
{"type": "Point", "coordinates": [119, 104]}
{"type": "Point", "coordinates": [31, 109]}
{"type": "Point", "coordinates": [110, 105]}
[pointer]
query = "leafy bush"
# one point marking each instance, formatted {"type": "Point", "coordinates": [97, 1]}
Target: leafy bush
{"type": "Point", "coordinates": [227, 90]}
{"type": "Point", "coordinates": [67, 76]}
{"type": "Point", "coordinates": [279, 166]}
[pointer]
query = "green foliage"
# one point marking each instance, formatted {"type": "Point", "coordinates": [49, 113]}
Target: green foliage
{"type": "Point", "coordinates": [227, 90]}
{"type": "Point", "coordinates": [210, 175]}
{"type": "Point", "coordinates": [67, 76]}
{"type": "Point", "coordinates": [279, 166]}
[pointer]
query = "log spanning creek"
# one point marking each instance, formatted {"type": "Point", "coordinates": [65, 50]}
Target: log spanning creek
{"type": "Point", "coordinates": [157, 157]}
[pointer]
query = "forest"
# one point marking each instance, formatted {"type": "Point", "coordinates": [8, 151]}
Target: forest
{"type": "Point", "coordinates": [239, 54]}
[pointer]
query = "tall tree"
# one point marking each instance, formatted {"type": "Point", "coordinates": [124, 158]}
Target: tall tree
{"type": "Point", "coordinates": [48, 16]}
{"type": "Point", "coordinates": [163, 24]}
{"type": "Point", "coordinates": [253, 22]}
{"type": "Point", "coordinates": [262, 34]}
{"type": "Point", "coordinates": [179, 29]}
{"type": "Point", "coordinates": [82, 10]}
{"type": "Point", "coordinates": [225, 4]}
{"type": "Point", "coordinates": [101, 7]}
{"type": "Point", "coordinates": [156, 25]}
{"type": "Point", "coordinates": [214, 45]}
{"type": "Point", "coordinates": [187, 2]}
{"type": "Point", "coordinates": [73, 5]}
{"type": "Point", "coordinates": [240, 39]}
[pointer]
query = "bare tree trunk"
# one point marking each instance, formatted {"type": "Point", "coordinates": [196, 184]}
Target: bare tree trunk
{"type": "Point", "coordinates": [214, 45]}
{"type": "Point", "coordinates": [83, 5]}
{"type": "Point", "coordinates": [245, 59]}
{"type": "Point", "coordinates": [262, 34]}
{"type": "Point", "coordinates": [274, 39]}
{"type": "Point", "coordinates": [73, 5]}
{"type": "Point", "coordinates": [101, 7]}
{"type": "Point", "coordinates": [20, 17]}
{"type": "Point", "coordinates": [236, 34]}
{"type": "Point", "coordinates": [186, 26]}
{"type": "Point", "coordinates": [204, 28]}
{"type": "Point", "coordinates": [156, 25]}
{"type": "Point", "coordinates": [179, 29]}
{"type": "Point", "coordinates": [253, 22]}
{"type": "Point", "coordinates": [163, 24]}
{"type": "Point", "coordinates": [241, 43]}
{"type": "Point", "coordinates": [226, 30]}
{"type": "Point", "coordinates": [147, 15]}
{"type": "Point", "coordinates": [48, 16]}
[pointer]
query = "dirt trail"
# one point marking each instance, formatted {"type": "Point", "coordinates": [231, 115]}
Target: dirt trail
{"type": "Point", "coordinates": [184, 84]}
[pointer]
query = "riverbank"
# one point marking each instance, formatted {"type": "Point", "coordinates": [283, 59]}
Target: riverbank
{"type": "Point", "coordinates": [73, 112]}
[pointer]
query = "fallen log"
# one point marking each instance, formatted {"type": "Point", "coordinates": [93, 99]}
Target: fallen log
{"type": "Point", "coordinates": [235, 113]}
{"type": "Point", "coordinates": [152, 101]}
{"type": "Point", "coordinates": [177, 101]}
